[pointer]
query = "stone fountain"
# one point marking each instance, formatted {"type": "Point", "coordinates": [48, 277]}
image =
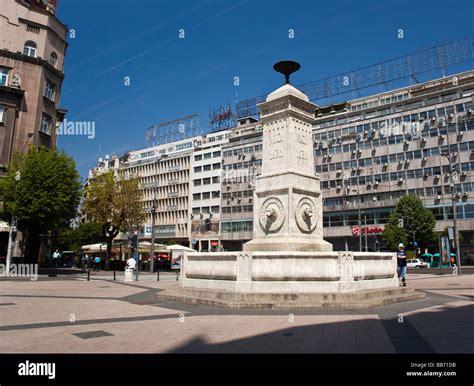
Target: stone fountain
{"type": "Point", "coordinates": [287, 263]}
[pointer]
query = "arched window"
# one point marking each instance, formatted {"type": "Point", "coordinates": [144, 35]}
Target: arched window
{"type": "Point", "coordinates": [53, 59]}
{"type": "Point", "coordinates": [30, 49]}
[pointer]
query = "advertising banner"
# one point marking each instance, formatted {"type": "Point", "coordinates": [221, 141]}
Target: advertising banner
{"type": "Point", "coordinates": [176, 258]}
{"type": "Point", "coordinates": [445, 251]}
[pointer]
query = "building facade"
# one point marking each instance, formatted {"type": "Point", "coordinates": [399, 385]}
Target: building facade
{"type": "Point", "coordinates": [32, 53]}
{"type": "Point", "coordinates": [242, 163]}
{"type": "Point", "coordinates": [205, 192]}
{"type": "Point", "coordinates": [371, 151]}
{"type": "Point", "coordinates": [164, 173]}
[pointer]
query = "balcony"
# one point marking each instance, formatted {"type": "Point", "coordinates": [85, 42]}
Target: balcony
{"type": "Point", "coordinates": [173, 181]}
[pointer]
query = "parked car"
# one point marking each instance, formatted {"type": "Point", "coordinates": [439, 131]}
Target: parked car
{"type": "Point", "coordinates": [417, 263]}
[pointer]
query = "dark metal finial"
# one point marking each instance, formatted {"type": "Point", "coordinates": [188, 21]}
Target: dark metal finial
{"type": "Point", "coordinates": [286, 67]}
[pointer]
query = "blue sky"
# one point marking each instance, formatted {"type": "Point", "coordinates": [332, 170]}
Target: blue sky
{"type": "Point", "coordinates": [172, 77]}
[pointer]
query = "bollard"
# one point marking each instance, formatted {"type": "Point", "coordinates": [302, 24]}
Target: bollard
{"type": "Point", "coordinates": [158, 275]}
{"type": "Point", "coordinates": [114, 275]}
{"type": "Point", "coordinates": [177, 275]}
{"type": "Point", "coordinates": [89, 275]}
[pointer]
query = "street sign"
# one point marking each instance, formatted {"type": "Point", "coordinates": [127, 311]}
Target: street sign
{"type": "Point", "coordinates": [451, 233]}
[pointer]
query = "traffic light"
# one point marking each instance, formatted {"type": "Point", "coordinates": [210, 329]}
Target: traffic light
{"type": "Point", "coordinates": [133, 242]}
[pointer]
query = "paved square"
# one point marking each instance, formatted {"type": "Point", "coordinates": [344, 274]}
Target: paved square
{"type": "Point", "coordinates": [49, 315]}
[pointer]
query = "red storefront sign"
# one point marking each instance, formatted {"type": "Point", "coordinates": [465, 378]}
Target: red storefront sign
{"type": "Point", "coordinates": [369, 230]}
{"type": "Point", "coordinates": [214, 243]}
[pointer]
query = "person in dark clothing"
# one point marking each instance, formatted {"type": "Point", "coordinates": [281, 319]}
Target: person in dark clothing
{"type": "Point", "coordinates": [402, 264]}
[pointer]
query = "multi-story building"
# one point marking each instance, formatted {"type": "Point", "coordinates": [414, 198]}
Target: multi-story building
{"type": "Point", "coordinates": [242, 162]}
{"type": "Point", "coordinates": [164, 173]}
{"type": "Point", "coordinates": [371, 151]}
{"type": "Point", "coordinates": [32, 51]}
{"type": "Point", "coordinates": [205, 192]}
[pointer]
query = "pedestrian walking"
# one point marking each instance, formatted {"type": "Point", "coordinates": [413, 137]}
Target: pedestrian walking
{"type": "Point", "coordinates": [84, 262]}
{"type": "Point", "coordinates": [131, 263]}
{"type": "Point", "coordinates": [97, 263]}
{"type": "Point", "coordinates": [56, 256]}
{"type": "Point", "coordinates": [402, 264]}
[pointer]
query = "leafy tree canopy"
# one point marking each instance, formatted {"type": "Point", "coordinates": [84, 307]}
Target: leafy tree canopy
{"type": "Point", "coordinates": [418, 223]}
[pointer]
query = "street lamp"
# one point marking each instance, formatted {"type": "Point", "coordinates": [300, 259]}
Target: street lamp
{"type": "Point", "coordinates": [360, 219]}
{"type": "Point", "coordinates": [365, 231]}
{"type": "Point", "coordinates": [449, 157]}
{"type": "Point", "coordinates": [152, 248]}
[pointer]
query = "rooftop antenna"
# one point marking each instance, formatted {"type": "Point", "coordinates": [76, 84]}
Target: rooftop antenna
{"type": "Point", "coordinates": [286, 67]}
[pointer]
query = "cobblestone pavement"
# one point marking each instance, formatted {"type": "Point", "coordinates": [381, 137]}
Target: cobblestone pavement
{"type": "Point", "coordinates": [73, 315]}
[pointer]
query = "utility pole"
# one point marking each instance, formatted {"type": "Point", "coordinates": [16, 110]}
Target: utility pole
{"type": "Point", "coordinates": [453, 196]}
{"type": "Point", "coordinates": [455, 215]}
{"type": "Point", "coordinates": [152, 248]}
{"type": "Point", "coordinates": [365, 232]}
{"type": "Point", "coordinates": [360, 218]}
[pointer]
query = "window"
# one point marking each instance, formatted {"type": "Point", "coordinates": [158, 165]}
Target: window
{"type": "Point", "coordinates": [31, 28]}
{"type": "Point", "coordinates": [215, 209]}
{"type": "Point", "coordinates": [216, 194]}
{"type": "Point", "coordinates": [216, 166]}
{"type": "Point", "coordinates": [196, 196]}
{"type": "Point", "coordinates": [45, 126]}
{"type": "Point", "coordinates": [4, 76]}
{"type": "Point", "coordinates": [198, 157]}
{"type": "Point", "coordinates": [206, 181]}
{"type": "Point", "coordinates": [206, 168]}
{"type": "Point", "coordinates": [197, 182]}
{"type": "Point", "coordinates": [30, 49]}
{"type": "Point", "coordinates": [53, 58]}
{"type": "Point", "coordinates": [2, 114]}
{"type": "Point", "coordinates": [197, 169]}
{"type": "Point", "coordinates": [49, 90]}
{"type": "Point", "coordinates": [215, 180]}
{"type": "Point", "coordinates": [206, 195]}
{"type": "Point", "coordinates": [207, 155]}
{"type": "Point", "coordinates": [216, 154]}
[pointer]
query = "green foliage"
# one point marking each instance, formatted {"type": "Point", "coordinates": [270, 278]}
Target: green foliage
{"type": "Point", "coordinates": [86, 233]}
{"type": "Point", "coordinates": [115, 202]}
{"type": "Point", "coordinates": [42, 189]}
{"type": "Point", "coordinates": [393, 235]}
{"type": "Point", "coordinates": [417, 220]}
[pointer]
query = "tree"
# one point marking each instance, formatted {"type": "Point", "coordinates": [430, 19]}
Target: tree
{"type": "Point", "coordinates": [115, 203]}
{"type": "Point", "coordinates": [417, 223]}
{"type": "Point", "coordinates": [85, 233]}
{"type": "Point", "coordinates": [393, 235]}
{"type": "Point", "coordinates": [42, 190]}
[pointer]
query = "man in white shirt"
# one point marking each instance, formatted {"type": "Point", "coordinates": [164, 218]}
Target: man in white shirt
{"type": "Point", "coordinates": [56, 256]}
{"type": "Point", "coordinates": [131, 263]}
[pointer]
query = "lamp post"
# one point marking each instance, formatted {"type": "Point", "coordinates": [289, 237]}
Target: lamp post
{"type": "Point", "coordinates": [365, 231]}
{"type": "Point", "coordinates": [152, 247]}
{"type": "Point", "coordinates": [455, 215]}
{"type": "Point", "coordinates": [360, 218]}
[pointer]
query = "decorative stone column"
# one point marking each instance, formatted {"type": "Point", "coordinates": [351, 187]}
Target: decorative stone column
{"type": "Point", "coordinates": [288, 201]}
